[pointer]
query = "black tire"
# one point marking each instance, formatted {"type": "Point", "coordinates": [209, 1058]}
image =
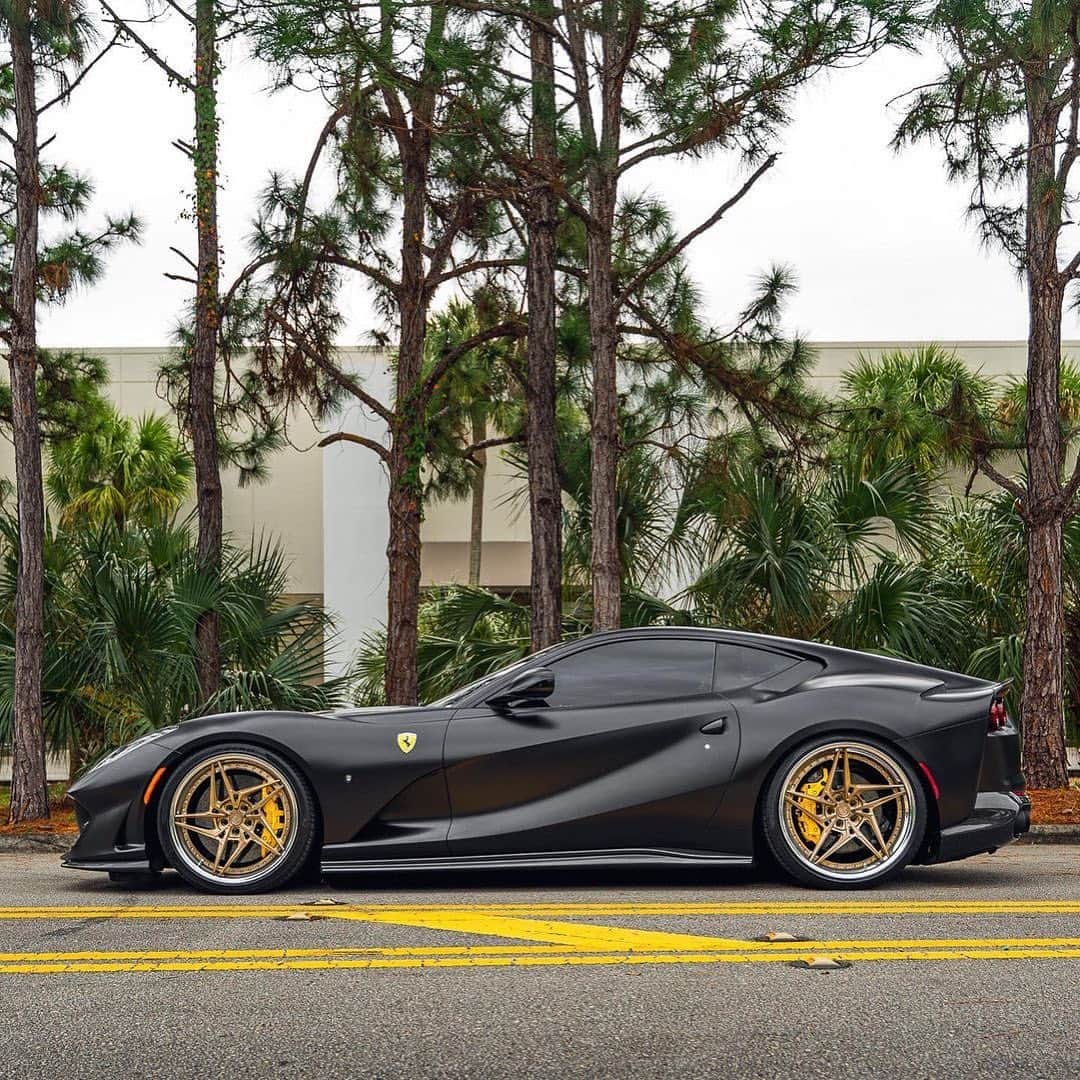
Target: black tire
{"type": "Point", "coordinates": [803, 823]}
{"type": "Point", "coordinates": [190, 854]}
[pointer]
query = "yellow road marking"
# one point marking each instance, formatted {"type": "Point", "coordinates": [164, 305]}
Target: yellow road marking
{"type": "Point", "coordinates": [539, 941]}
{"type": "Point", "coordinates": [596, 938]}
{"type": "Point", "coordinates": [517, 960]}
{"type": "Point", "coordinates": [732, 945]}
{"type": "Point", "coordinates": [737, 908]}
{"type": "Point", "coordinates": [580, 935]}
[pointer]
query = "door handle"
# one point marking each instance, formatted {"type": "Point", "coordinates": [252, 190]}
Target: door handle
{"type": "Point", "coordinates": [713, 727]}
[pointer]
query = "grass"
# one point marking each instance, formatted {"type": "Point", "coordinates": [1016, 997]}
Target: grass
{"type": "Point", "coordinates": [57, 793]}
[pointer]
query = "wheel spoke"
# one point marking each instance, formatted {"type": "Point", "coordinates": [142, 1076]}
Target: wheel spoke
{"type": "Point", "coordinates": [867, 843]}
{"type": "Point", "coordinates": [214, 803]}
{"type": "Point", "coordinates": [831, 779]}
{"type": "Point", "coordinates": [199, 814]}
{"type": "Point", "coordinates": [844, 838]}
{"type": "Point", "coordinates": [227, 784]}
{"type": "Point", "coordinates": [222, 844]}
{"type": "Point", "coordinates": [811, 814]}
{"type": "Point", "coordinates": [847, 771]}
{"type": "Point", "coordinates": [213, 834]}
{"type": "Point", "coordinates": [242, 845]}
{"type": "Point", "coordinates": [243, 793]}
{"type": "Point", "coordinates": [267, 840]}
{"type": "Point", "coordinates": [273, 791]}
{"type": "Point", "coordinates": [797, 797]}
{"type": "Point", "coordinates": [873, 822]}
{"type": "Point", "coordinates": [826, 832]}
{"type": "Point", "coordinates": [873, 804]}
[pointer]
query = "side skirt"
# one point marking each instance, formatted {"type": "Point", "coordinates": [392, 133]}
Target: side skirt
{"type": "Point", "coordinates": [539, 860]}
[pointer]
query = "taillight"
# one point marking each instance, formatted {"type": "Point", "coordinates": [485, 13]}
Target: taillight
{"type": "Point", "coordinates": [999, 715]}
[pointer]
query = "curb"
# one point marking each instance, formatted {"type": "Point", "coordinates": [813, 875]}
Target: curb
{"type": "Point", "coordinates": [35, 843]}
{"type": "Point", "coordinates": [1051, 834]}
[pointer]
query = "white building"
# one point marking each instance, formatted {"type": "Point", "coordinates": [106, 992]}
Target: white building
{"type": "Point", "coordinates": [327, 507]}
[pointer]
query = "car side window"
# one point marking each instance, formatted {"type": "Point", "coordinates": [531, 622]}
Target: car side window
{"type": "Point", "coordinates": [644, 669]}
{"type": "Point", "coordinates": [743, 665]}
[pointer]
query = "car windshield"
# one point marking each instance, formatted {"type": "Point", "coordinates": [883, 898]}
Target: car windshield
{"type": "Point", "coordinates": [519, 665]}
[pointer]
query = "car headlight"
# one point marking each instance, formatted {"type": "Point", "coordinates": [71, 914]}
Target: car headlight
{"type": "Point", "coordinates": [142, 740]}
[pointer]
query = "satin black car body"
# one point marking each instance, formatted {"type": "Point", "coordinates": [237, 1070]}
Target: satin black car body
{"type": "Point", "coordinates": [638, 746]}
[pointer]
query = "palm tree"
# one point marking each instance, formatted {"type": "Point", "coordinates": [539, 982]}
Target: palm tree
{"type": "Point", "coordinates": [921, 405]}
{"type": "Point", "coordinates": [465, 633]}
{"type": "Point", "coordinates": [121, 611]}
{"type": "Point", "coordinates": [121, 471]}
{"type": "Point", "coordinates": [784, 543]}
{"type": "Point", "coordinates": [1011, 408]}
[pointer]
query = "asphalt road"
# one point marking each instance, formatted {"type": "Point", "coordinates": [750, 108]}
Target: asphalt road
{"type": "Point", "coordinates": [969, 970]}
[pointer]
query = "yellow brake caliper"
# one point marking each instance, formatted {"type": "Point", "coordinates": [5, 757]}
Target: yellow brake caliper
{"type": "Point", "coordinates": [810, 829]}
{"type": "Point", "coordinates": [274, 816]}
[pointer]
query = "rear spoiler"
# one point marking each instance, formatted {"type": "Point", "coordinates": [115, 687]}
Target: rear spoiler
{"type": "Point", "coordinates": [944, 692]}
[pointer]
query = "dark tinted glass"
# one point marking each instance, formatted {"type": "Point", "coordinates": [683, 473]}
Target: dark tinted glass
{"type": "Point", "coordinates": [739, 665]}
{"type": "Point", "coordinates": [645, 669]}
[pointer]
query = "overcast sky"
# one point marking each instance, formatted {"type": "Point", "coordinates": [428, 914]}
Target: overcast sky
{"type": "Point", "coordinates": [878, 241]}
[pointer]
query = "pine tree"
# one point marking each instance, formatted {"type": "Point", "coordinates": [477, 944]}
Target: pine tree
{"type": "Point", "coordinates": [1006, 111]}
{"type": "Point", "coordinates": [403, 80]}
{"type": "Point", "coordinates": [199, 79]}
{"type": "Point", "coordinates": [652, 80]}
{"type": "Point", "coordinates": [46, 42]}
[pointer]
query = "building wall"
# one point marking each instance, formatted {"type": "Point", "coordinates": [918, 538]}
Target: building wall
{"type": "Point", "coordinates": [327, 506]}
{"type": "Point", "coordinates": [287, 507]}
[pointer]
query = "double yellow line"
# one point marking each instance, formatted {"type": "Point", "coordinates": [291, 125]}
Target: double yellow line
{"type": "Point", "coordinates": [255, 910]}
{"type": "Point", "coordinates": [541, 936]}
{"type": "Point", "coordinates": [489, 956]}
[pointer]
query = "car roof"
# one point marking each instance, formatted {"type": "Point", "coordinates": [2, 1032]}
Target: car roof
{"type": "Point", "coordinates": [834, 657]}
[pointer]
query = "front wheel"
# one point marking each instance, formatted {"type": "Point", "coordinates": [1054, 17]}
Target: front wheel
{"type": "Point", "coordinates": [236, 819]}
{"type": "Point", "coordinates": [844, 813]}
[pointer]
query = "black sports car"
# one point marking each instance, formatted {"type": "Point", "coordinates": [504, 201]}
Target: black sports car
{"type": "Point", "coordinates": [653, 746]}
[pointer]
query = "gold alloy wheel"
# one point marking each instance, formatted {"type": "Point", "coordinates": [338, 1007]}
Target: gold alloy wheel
{"type": "Point", "coordinates": [233, 818]}
{"type": "Point", "coordinates": [847, 810]}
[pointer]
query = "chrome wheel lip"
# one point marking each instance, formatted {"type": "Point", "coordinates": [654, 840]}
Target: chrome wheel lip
{"type": "Point", "coordinates": [180, 846]}
{"type": "Point", "coordinates": [898, 840]}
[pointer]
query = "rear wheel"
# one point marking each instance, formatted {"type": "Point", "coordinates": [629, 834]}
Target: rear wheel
{"type": "Point", "coordinates": [844, 813]}
{"type": "Point", "coordinates": [236, 819]}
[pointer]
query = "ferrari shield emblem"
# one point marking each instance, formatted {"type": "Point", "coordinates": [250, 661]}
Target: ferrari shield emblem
{"type": "Point", "coordinates": [406, 740]}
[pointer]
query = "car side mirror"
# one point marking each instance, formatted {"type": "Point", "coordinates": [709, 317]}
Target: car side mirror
{"type": "Point", "coordinates": [535, 684]}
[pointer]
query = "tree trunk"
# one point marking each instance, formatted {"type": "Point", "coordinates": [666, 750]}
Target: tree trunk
{"type": "Point", "coordinates": [606, 570]}
{"type": "Point", "coordinates": [545, 491]}
{"type": "Point", "coordinates": [29, 787]}
{"type": "Point", "coordinates": [476, 515]}
{"type": "Point", "coordinates": [403, 590]}
{"type": "Point", "coordinates": [407, 445]}
{"type": "Point", "coordinates": [603, 185]}
{"type": "Point", "coordinates": [1043, 722]}
{"type": "Point", "coordinates": [204, 359]}
{"type": "Point", "coordinates": [1042, 706]}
